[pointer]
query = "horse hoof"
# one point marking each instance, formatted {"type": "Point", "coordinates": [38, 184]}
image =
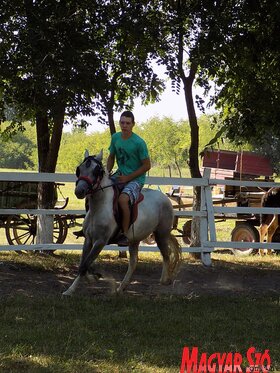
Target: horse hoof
{"type": "Point", "coordinates": [90, 278]}
{"type": "Point", "coordinates": [119, 291]}
{"type": "Point", "coordinates": [67, 293]}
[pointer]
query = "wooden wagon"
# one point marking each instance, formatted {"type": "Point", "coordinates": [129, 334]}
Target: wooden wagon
{"type": "Point", "coordinates": [233, 166]}
{"type": "Point", "coordinates": [21, 229]}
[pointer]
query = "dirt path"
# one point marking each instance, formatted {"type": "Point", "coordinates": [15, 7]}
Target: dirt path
{"type": "Point", "coordinates": [223, 278]}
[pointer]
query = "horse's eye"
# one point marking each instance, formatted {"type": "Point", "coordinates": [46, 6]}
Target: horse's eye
{"type": "Point", "coordinates": [78, 171]}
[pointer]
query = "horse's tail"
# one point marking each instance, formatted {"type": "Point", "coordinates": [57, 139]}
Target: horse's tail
{"type": "Point", "coordinates": [175, 255]}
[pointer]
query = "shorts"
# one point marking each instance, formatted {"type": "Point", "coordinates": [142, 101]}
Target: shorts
{"type": "Point", "coordinates": [132, 189]}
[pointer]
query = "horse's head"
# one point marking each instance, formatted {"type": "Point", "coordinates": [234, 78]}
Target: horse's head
{"type": "Point", "coordinates": [89, 175]}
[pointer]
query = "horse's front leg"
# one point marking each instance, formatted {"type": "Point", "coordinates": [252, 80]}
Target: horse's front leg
{"type": "Point", "coordinates": [86, 250]}
{"type": "Point", "coordinates": [133, 258]}
{"type": "Point", "coordinates": [90, 253]}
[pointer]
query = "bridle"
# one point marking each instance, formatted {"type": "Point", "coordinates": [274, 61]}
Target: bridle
{"type": "Point", "coordinates": [98, 173]}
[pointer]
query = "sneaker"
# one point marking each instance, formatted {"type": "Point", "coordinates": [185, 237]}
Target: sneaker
{"type": "Point", "coordinates": [123, 241]}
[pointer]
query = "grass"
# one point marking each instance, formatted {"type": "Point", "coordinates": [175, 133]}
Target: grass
{"type": "Point", "coordinates": [130, 333]}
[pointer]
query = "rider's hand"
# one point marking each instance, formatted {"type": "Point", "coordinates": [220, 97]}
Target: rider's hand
{"type": "Point", "coordinates": [123, 179]}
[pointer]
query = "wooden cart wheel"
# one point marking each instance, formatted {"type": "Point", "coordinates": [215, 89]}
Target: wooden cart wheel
{"type": "Point", "coordinates": [60, 229]}
{"type": "Point", "coordinates": [245, 233]}
{"type": "Point", "coordinates": [187, 229]}
{"type": "Point", "coordinates": [22, 229]}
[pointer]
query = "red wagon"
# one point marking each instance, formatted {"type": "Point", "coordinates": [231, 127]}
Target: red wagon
{"type": "Point", "coordinates": [243, 165]}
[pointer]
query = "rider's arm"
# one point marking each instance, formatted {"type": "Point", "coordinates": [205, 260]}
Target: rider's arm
{"type": "Point", "coordinates": [146, 165]}
{"type": "Point", "coordinates": [110, 162]}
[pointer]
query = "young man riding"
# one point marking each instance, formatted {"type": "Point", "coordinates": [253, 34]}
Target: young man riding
{"type": "Point", "coordinates": [131, 153]}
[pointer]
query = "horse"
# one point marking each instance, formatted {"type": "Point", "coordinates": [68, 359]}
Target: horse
{"type": "Point", "coordinates": [269, 222]}
{"type": "Point", "coordinates": [155, 215]}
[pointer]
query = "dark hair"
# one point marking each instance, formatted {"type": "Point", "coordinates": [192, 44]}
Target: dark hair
{"type": "Point", "coordinates": [128, 114]}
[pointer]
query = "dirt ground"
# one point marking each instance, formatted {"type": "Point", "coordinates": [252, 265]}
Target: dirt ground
{"type": "Point", "coordinates": [223, 278]}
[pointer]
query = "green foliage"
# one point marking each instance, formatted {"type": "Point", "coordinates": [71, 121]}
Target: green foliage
{"type": "Point", "coordinates": [19, 151]}
{"type": "Point", "coordinates": [87, 56]}
{"type": "Point", "coordinates": [168, 142]}
{"type": "Point", "coordinates": [94, 57]}
{"type": "Point", "coordinates": [73, 146]}
{"type": "Point", "coordinates": [125, 60]}
{"type": "Point", "coordinates": [249, 77]}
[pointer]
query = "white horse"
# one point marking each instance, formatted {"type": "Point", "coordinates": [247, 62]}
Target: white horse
{"type": "Point", "coordinates": [155, 215]}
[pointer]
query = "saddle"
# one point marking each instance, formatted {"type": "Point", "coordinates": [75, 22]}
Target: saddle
{"type": "Point", "coordinates": [133, 208]}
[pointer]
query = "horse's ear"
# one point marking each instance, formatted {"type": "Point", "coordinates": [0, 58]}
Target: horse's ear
{"type": "Point", "coordinates": [86, 154]}
{"type": "Point", "coordinates": [100, 155]}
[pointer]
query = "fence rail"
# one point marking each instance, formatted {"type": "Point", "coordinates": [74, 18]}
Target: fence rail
{"type": "Point", "coordinates": [206, 214]}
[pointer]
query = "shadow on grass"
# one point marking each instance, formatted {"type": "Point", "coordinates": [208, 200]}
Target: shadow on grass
{"type": "Point", "coordinates": [125, 334]}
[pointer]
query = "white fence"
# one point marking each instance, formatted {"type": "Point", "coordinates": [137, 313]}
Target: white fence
{"type": "Point", "coordinates": [207, 213]}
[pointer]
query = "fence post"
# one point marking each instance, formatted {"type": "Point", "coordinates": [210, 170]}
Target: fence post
{"type": "Point", "coordinates": [210, 208]}
{"type": "Point", "coordinates": [205, 254]}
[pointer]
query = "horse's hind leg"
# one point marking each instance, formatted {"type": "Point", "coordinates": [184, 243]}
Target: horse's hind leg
{"type": "Point", "coordinates": [271, 230]}
{"type": "Point", "coordinates": [162, 242]}
{"type": "Point", "coordinates": [133, 258]}
{"type": "Point", "coordinates": [263, 233]}
{"type": "Point", "coordinates": [267, 229]}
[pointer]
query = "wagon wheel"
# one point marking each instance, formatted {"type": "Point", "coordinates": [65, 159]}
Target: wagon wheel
{"type": "Point", "coordinates": [187, 229]}
{"type": "Point", "coordinates": [60, 229]}
{"type": "Point", "coordinates": [22, 229]}
{"type": "Point", "coordinates": [244, 233]}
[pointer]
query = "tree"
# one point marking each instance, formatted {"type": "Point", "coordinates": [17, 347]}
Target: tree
{"type": "Point", "coordinates": [249, 78]}
{"type": "Point", "coordinates": [61, 58]}
{"type": "Point", "coordinates": [193, 36]}
{"type": "Point", "coordinates": [126, 59]}
{"type": "Point", "coordinates": [44, 46]}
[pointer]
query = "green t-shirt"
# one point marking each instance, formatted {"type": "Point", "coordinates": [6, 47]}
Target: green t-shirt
{"type": "Point", "coordinates": [129, 154]}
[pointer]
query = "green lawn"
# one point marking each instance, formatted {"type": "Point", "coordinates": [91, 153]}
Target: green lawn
{"type": "Point", "coordinates": [145, 334]}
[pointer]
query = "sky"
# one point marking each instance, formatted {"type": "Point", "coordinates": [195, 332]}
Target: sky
{"type": "Point", "coordinates": [170, 105]}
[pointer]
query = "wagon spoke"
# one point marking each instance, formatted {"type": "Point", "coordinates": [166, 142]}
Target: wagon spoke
{"type": "Point", "coordinates": [21, 230]}
{"type": "Point", "coordinates": [26, 235]}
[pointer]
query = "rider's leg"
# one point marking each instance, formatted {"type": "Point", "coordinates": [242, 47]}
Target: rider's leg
{"type": "Point", "coordinates": [124, 205]}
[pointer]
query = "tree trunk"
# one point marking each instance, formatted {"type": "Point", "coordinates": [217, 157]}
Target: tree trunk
{"type": "Point", "coordinates": [178, 168]}
{"type": "Point", "coordinates": [111, 123]}
{"type": "Point", "coordinates": [48, 148]}
{"type": "Point", "coordinates": [193, 151]}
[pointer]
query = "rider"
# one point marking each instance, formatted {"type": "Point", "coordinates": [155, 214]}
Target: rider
{"type": "Point", "coordinates": [131, 154]}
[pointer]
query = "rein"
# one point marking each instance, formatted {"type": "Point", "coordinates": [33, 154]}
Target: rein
{"type": "Point", "coordinates": [98, 186]}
